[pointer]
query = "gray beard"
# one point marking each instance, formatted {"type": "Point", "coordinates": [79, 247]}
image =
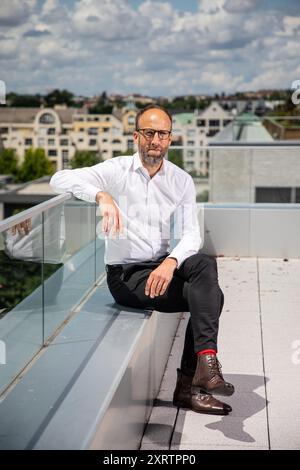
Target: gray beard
{"type": "Point", "coordinates": [151, 161]}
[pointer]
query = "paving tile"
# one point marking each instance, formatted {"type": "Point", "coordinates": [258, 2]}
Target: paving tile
{"type": "Point", "coordinates": [198, 429]}
{"type": "Point", "coordinates": [285, 433]}
{"type": "Point", "coordinates": [283, 393]}
{"type": "Point", "coordinates": [217, 447]}
{"type": "Point", "coordinates": [160, 426]}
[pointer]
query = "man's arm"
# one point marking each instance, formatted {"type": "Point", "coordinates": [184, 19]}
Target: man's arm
{"type": "Point", "coordinates": [84, 183]}
{"type": "Point", "coordinates": [91, 185]}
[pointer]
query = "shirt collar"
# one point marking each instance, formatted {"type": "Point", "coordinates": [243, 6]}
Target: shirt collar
{"type": "Point", "coordinates": [137, 163]}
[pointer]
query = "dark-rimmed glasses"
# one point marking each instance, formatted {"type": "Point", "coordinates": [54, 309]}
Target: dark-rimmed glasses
{"type": "Point", "coordinates": [150, 133]}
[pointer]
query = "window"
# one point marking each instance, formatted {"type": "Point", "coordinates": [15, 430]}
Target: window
{"type": "Point", "coordinates": [28, 141]}
{"type": "Point", "coordinates": [51, 141]}
{"type": "Point", "coordinates": [52, 153]}
{"type": "Point", "coordinates": [191, 142]}
{"type": "Point", "coordinates": [211, 132]}
{"type": "Point", "coordinates": [200, 122]}
{"type": "Point", "coordinates": [3, 130]}
{"type": "Point", "coordinates": [190, 153]}
{"type": "Point", "coordinates": [65, 155]}
{"type": "Point", "coordinates": [47, 118]}
{"type": "Point", "coordinates": [214, 123]}
{"type": "Point", "coordinates": [116, 141]}
{"type": "Point", "coordinates": [273, 195]}
{"type": "Point", "coordinates": [51, 131]}
{"type": "Point", "coordinates": [41, 142]}
{"type": "Point", "coordinates": [64, 142]}
{"type": "Point", "coordinates": [191, 132]}
{"type": "Point", "coordinates": [130, 144]}
{"type": "Point", "coordinates": [92, 142]}
{"type": "Point", "coordinates": [93, 130]}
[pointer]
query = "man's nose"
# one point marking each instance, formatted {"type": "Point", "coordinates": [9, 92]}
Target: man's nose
{"type": "Point", "coordinates": [155, 139]}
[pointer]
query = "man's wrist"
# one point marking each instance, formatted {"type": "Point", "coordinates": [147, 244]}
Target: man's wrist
{"type": "Point", "coordinates": [99, 196]}
{"type": "Point", "coordinates": [173, 261]}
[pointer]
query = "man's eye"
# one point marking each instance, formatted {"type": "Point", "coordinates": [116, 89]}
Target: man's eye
{"type": "Point", "coordinates": [149, 133]}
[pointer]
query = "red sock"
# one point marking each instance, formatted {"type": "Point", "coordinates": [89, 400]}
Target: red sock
{"type": "Point", "coordinates": [207, 351]}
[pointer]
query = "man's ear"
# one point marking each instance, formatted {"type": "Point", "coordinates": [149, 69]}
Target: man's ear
{"type": "Point", "coordinates": [135, 136]}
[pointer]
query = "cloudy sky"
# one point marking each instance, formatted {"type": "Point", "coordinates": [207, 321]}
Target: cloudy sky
{"type": "Point", "coordinates": [149, 46]}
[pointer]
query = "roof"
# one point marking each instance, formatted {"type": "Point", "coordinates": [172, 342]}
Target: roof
{"type": "Point", "coordinates": [27, 115]}
{"type": "Point", "coordinates": [244, 128]}
{"type": "Point", "coordinates": [184, 118]}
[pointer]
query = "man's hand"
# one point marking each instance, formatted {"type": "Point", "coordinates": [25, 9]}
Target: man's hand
{"type": "Point", "coordinates": [160, 278]}
{"type": "Point", "coordinates": [110, 212]}
{"type": "Point", "coordinates": [23, 228]}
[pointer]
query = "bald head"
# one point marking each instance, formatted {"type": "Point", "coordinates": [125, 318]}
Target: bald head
{"type": "Point", "coordinates": [155, 113]}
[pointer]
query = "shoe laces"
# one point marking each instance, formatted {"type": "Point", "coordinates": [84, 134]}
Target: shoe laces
{"type": "Point", "coordinates": [215, 366]}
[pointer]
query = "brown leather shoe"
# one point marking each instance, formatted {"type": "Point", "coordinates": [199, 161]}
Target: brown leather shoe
{"type": "Point", "coordinates": [199, 402]}
{"type": "Point", "coordinates": [208, 376]}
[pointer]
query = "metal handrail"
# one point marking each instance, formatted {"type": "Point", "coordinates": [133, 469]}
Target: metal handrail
{"type": "Point", "coordinates": [33, 211]}
{"type": "Point", "coordinates": [254, 145]}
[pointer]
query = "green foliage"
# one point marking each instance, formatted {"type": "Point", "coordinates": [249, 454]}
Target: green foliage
{"type": "Point", "coordinates": [128, 152]}
{"type": "Point", "coordinates": [26, 101]}
{"type": "Point", "coordinates": [8, 162]}
{"type": "Point", "coordinates": [59, 97]}
{"type": "Point", "coordinates": [175, 156]}
{"type": "Point", "coordinates": [18, 279]}
{"type": "Point", "coordinates": [203, 197]}
{"type": "Point", "coordinates": [83, 158]}
{"type": "Point", "coordinates": [35, 165]}
{"type": "Point", "coordinates": [101, 109]}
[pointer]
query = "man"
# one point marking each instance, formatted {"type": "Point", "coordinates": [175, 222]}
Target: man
{"type": "Point", "coordinates": [137, 196]}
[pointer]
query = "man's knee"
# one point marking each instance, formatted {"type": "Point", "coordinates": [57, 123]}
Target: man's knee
{"type": "Point", "coordinates": [202, 260]}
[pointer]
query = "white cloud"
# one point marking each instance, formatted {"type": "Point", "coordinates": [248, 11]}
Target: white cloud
{"type": "Point", "coordinates": [94, 45]}
{"type": "Point", "coordinates": [112, 20]}
{"type": "Point", "coordinates": [14, 12]}
{"type": "Point", "coordinates": [241, 6]}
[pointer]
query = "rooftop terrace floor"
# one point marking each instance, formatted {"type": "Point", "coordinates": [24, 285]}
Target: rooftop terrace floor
{"type": "Point", "coordinates": [259, 349]}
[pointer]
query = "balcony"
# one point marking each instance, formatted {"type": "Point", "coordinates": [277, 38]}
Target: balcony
{"type": "Point", "coordinates": [79, 371]}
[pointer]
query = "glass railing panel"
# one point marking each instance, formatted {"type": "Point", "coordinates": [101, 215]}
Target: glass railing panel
{"type": "Point", "coordinates": [69, 257]}
{"type": "Point", "coordinates": [21, 296]}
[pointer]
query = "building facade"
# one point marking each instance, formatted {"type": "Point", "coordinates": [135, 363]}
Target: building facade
{"type": "Point", "coordinates": [195, 130]}
{"type": "Point", "coordinates": [63, 131]}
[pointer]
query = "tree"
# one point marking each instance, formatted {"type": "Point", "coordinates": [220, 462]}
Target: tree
{"type": "Point", "coordinates": [8, 162]}
{"type": "Point", "coordinates": [26, 101]}
{"type": "Point", "coordinates": [84, 158]}
{"type": "Point", "coordinates": [59, 97]}
{"type": "Point", "coordinates": [203, 197]}
{"type": "Point", "coordinates": [35, 165]}
{"type": "Point", "coordinates": [175, 156]}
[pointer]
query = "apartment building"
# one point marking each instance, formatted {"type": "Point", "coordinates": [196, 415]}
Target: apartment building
{"type": "Point", "coordinates": [61, 131]}
{"type": "Point", "coordinates": [195, 130]}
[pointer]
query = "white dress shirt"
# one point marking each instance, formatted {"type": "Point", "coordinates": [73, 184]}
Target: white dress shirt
{"type": "Point", "coordinates": [146, 205]}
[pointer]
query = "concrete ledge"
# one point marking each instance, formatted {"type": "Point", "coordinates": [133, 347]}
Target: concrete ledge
{"type": "Point", "coordinates": [94, 385]}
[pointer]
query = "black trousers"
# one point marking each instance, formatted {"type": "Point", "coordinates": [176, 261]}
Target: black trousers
{"type": "Point", "coordinates": [194, 288]}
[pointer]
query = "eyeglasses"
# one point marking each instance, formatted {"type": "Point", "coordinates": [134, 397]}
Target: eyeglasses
{"type": "Point", "coordinates": [150, 133]}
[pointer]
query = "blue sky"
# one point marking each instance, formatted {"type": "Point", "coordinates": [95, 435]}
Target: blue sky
{"type": "Point", "coordinates": [149, 46]}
